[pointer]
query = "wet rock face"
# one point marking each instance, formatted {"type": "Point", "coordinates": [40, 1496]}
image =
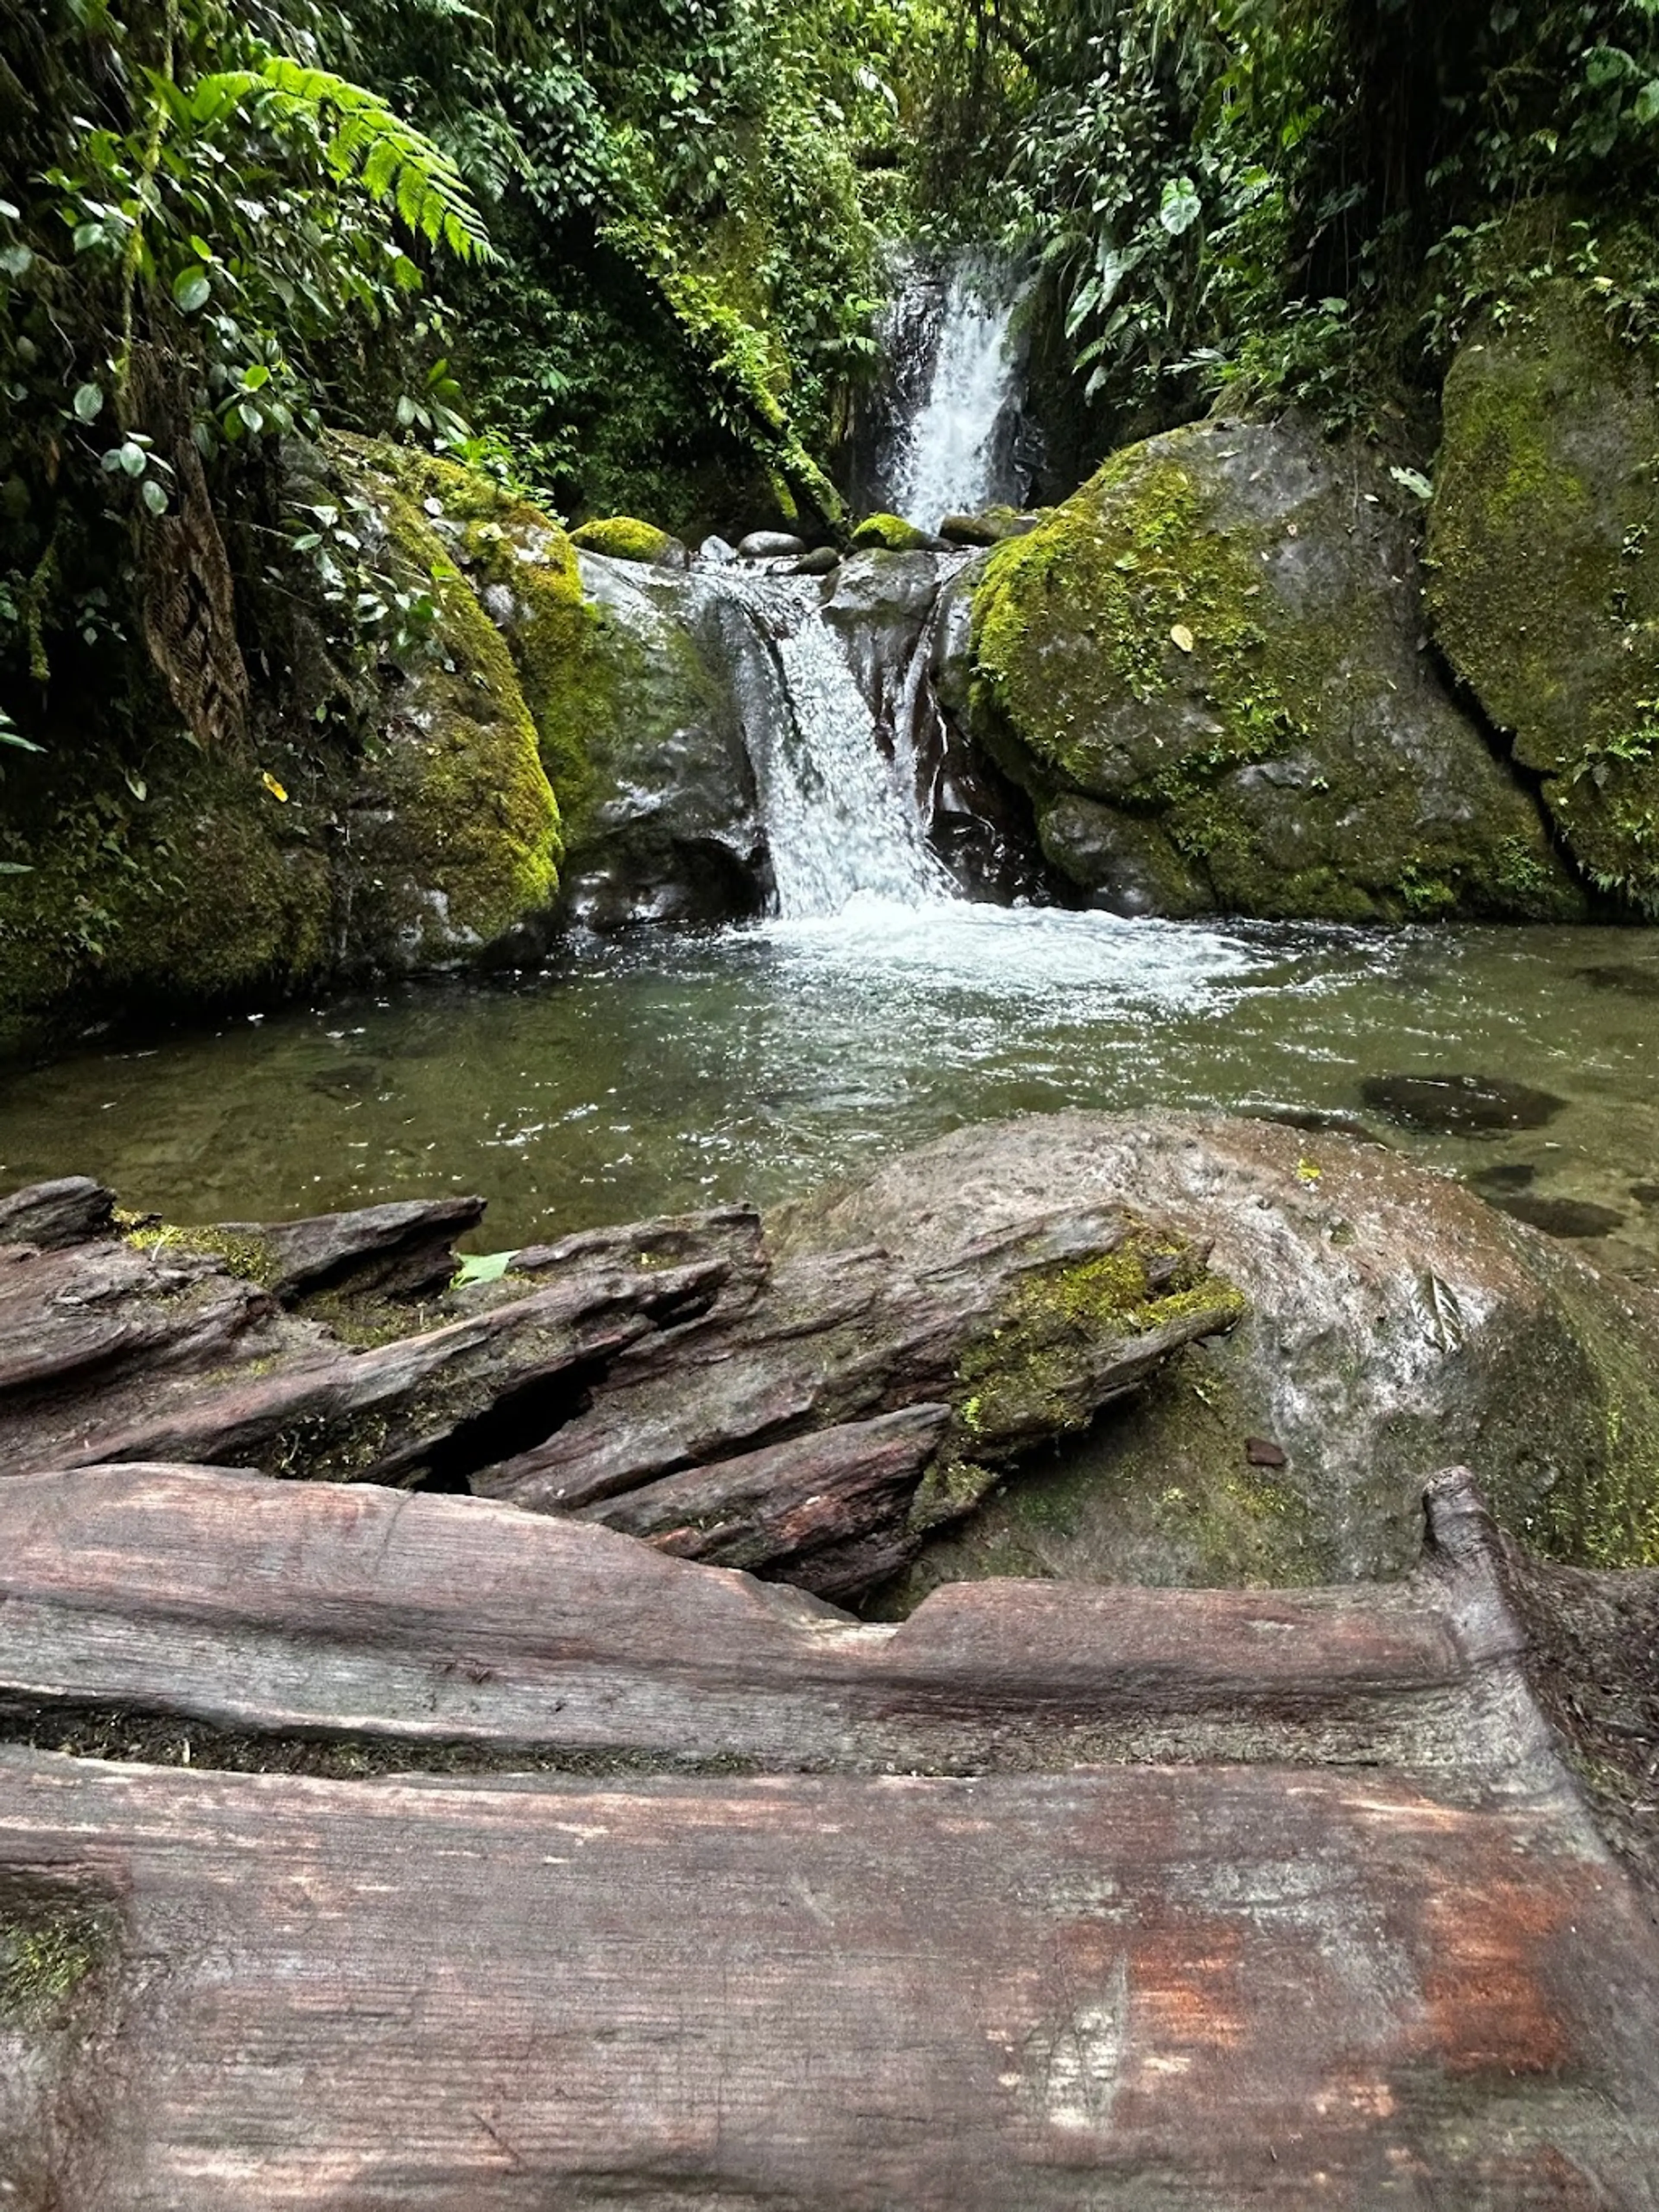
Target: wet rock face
{"type": "Point", "coordinates": [1544, 565]}
{"type": "Point", "coordinates": [1392, 1313]}
{"type": "Point", "coordinates": [904, 620]}
{"type": "Point", "coordinates": [1217, 648]}
{"type": "Point", "coordinates": [669, 830]}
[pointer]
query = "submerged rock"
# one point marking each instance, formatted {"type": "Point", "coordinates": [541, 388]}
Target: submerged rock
{"type": "Point", "coordinates": [1460, 1105]}
{"type": "Point", "coordinates": [1391, 1315]}
{"type": "Point", "coordinates": [1218, 644]}
{"type": "Point", "coordinates": [1571, 1217]}
{"type": "Point", "coordinates": [1544, 563]}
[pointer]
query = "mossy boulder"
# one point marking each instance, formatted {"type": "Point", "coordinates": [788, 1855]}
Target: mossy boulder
{"type": "Point", "coordinates": [1394, 1325]}
{"type": "Point", "coordinates": [992, 526]}
{"type": "Point", "coordinates": [191, 883]}
{"type": "Point", "coordinates": [457, 837]}
{"type": "Point", "coordinates": [670, 828]}
{"type": "Point", "coordinates": [1544, 564]}
{"type": "Point", "coordinates": [621, 537]}
{"type": "Point", "coordinates": [891, 533]}
{"type": "Point", "coordinates": [1219, 641]}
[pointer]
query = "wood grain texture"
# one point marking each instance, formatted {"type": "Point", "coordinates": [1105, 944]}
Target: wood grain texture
{"type": "Point", "coordinates": [1151, 1987]}
{"type": "Point", "coordinates": [810, 1422]}
{"type": "Point", "coordinates": [225, 1603]}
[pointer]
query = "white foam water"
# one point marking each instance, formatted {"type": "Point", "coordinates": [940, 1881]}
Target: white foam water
{"type": "Point", "coordinates": [840, 824]}
{"type": "Point", "coordinates": [948, 452]}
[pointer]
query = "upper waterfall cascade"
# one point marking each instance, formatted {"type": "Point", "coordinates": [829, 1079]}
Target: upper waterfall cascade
{"type": "Point", "coordinates": [950, 452]}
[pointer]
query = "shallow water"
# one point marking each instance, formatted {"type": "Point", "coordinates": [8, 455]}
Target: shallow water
{"type": "Point", "coordinates": [668, 1072]}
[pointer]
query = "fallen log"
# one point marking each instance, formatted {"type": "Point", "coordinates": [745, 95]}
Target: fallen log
{"type": "Point", "coordinates": [665, 1375]}
{"type": "Point", "coordinates": [1209, 1961]}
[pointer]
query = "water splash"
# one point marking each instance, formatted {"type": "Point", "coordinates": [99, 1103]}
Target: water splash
{"type": "Point", "coordinates": [953, 452]}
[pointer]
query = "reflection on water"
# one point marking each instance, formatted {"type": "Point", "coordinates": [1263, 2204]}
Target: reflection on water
{"type": "Point", "coordinates": [675, 1073]}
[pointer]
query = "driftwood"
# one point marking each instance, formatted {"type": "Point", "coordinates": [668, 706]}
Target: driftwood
{"type": "Point", "coordinates": [1322, 1918]}
{"type": "Point", "coordinates": [812, 1419]}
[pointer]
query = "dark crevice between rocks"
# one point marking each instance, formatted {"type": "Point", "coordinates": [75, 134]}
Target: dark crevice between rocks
{"type": "Point", "coordinates": [1500, 744]}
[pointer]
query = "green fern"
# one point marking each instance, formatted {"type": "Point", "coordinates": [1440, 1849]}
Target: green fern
{"type": "Point", "coordinates": [363, 143]}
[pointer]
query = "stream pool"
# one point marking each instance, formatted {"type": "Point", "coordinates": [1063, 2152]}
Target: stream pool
{"type": "Point", "coordinates": [669, 1072]}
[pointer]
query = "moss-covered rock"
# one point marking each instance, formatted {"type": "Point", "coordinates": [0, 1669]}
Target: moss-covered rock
{"type": "Point", "coordinates": [414, 826]}
{"type": "Point", "coordinates": [621, 537]}
{"type": "Point", "coordinates": [1218, 642]}
{"type": "Point", "coordinates": [992, 526]}
{"type": "Point", "coordinates": [458, 844]}
{"type": "Point", "coordinates": [1544, 564]}
{"type": "Point", "coordinates": [633, 705]}
{"type": "Point", "coordinates": [1393, 1325]}
{"type": "Point", "coordinates": [891, 533]}
{"type": "Point", "coordinates": [198, 881]}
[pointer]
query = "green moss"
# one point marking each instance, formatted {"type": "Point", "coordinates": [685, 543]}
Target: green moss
{"type": "Point", "coordinates": [620, 538]}
{"type": "Point", "coordinates": [240, 1251]}
{"type": "Point", "coordinates": [476, 821]}
{"type": "Point", "coordinates": [205, 888]}
{"type": "Point", "coordinates": [1032, 1375]}
{"type": "Point", "coordinates": [1544, 591]}
{"type": "Point", "coordinates": [891, 533]}
{"type": "Point", "coordinates": [1163, 645]}
{"type": "Point", "coordinates": [48, 1950]}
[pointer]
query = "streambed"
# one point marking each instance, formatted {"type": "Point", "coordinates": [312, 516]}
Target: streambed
{"type": "Point", "coordinates": [667, 1072]}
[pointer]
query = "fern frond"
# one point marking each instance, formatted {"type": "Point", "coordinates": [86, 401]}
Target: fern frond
{"type": "Point", "coordinates": [363, 141]}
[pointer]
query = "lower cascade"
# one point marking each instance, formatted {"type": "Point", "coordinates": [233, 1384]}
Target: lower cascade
{"type": "Point", "coordinates": [840, 818]}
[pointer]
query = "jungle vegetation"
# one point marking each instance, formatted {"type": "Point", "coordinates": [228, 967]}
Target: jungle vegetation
{"type": "Point", "coordinates": [627, 256]}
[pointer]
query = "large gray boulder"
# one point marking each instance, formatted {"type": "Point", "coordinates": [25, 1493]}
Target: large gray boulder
{"type": "Point", "coordinates": [1395, 1322]}
{"type": "Point", "coordinates": [1209, 669]}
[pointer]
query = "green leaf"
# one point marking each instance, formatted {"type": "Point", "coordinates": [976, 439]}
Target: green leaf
{"type": "Point", "coordinates": [11, 737]}
{"type": "Point", "coordinates": [191, 290]}
{"type": "Point", "coordinates": [132, 458]}
{"type": "Point", "coordinates": [88, 402]}
{"type": "Point", "coordinates": [250, 416]}
{"type": "Point", "coordinates": [16, 260]}
{"type": "Point", "coordinates": [1180, 207]}
{"type": "Point", "coordinates": [15, 868]}
{"type": "Point", "coordinates": [480, 1267]}
{"type": "Point", "coordinates": [153, 496]}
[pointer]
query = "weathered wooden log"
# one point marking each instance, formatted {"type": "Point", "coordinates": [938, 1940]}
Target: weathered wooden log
{"type": "Point", "coordinates": [73, 1210]}
{"type": "Point", "coordinates": [831, 1511]}
{"type": "Point", "coordinates": [156, 1606]}
{"type": "Point", "coordinates": [1198, 1971]}
{"type": "Point", "coordinates": [403, 1250]}
{"type": "Point", "coordinates": [421, 1407]}
{"type": "Point", "coordinates": [727, 1404]}
{"type": "Point", "coordinates": [1024, 1335]}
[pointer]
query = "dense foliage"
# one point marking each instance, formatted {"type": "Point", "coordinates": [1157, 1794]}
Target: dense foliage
{"type": "Point", "coordinates": [1287, 194]}
{"type": "Point", "coordinates": [626, 253]}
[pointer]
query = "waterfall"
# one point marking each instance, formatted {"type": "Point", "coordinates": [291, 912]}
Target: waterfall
{"type": "Point", "coordinates": [841, 821]}
{"type": "Point", "coordinates": [957, 401]}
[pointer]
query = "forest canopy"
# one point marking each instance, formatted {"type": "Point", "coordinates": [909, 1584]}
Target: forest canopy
{"type": "Point", "coordinates": [630, 254]}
